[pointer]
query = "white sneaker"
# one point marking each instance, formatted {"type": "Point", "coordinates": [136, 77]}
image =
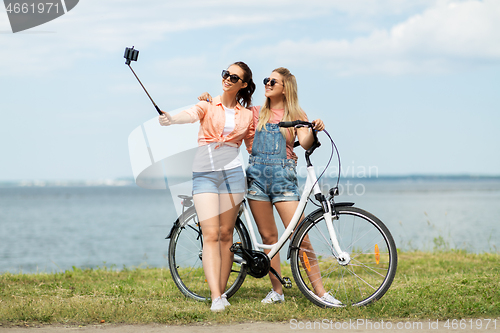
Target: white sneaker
{"type": "Point", "coordinates": [273, 297]}
{"type": "Point", "coordinates": [224, 300]}
{"type": "Point", "coordinates": [330, 299]}
{"type": "Point", "coordinates": [217, 305]}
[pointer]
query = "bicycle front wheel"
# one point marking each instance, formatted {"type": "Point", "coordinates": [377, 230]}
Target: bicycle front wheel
{"type": "Point", "coordinates": [185, 254]}
{"type": "Point", "coordinates": [364, 278]}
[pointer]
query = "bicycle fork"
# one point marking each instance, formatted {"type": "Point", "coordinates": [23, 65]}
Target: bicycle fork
{"type": "Point", "coordinates": [329, 214]}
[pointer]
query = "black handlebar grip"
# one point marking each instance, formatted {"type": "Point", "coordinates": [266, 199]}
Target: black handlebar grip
{"type": "Point", "coordinates": [288, 123]}
{"type": "Point", "coordinates": [294, 123]}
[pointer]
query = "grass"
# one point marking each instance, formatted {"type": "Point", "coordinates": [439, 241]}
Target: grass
{"type": "Point", "coordinates": [428, 286]}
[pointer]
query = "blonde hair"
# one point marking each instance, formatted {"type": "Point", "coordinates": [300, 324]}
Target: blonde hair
{"type": "Point", "coordinates": [293, 111]}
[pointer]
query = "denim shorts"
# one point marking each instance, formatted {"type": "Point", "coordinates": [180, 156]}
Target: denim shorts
{"type": "Point", "coordinates": [225, 181]}
{"type": "Point", "coordinates": [270, 181]}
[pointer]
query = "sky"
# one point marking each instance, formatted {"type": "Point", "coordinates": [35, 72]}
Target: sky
{"type": "Point", "coordinates": [404, 87]}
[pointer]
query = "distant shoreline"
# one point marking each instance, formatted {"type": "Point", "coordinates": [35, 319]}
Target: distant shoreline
{"type": "Point", "coordinates": [123, 182]}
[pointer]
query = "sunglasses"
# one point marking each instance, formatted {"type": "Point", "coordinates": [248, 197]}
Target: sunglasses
{"type": "Point", "coordinates": [271, 82]}
{"type": "Point", "coordinates": [232, 77]}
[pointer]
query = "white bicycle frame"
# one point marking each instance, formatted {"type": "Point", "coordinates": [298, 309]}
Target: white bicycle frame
{"type": "Point", "coordinates": [311, 185]}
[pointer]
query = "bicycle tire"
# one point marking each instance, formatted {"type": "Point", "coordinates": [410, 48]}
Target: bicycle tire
{"type": "Point", "coordinates": [373, 257]}
{"type": "Point", "coordinates": [185, 258]}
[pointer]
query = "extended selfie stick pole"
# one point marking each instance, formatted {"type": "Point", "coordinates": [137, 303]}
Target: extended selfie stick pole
{"type": "Point", "coordinates": [131, 55]}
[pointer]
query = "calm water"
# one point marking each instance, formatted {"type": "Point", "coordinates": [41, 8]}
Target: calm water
{"type": "Point", "coordinates": [52, 228]}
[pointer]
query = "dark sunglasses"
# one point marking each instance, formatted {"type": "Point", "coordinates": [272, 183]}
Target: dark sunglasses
{"type": "Point", "coordinates": [232, 77]}
{"type": "Point", "coordinates": [271, 82]}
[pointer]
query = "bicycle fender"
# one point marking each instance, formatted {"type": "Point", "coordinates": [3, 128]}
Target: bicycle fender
{"type": "Point", "coordinates": [244, 230]}
{"type": "Point", "coordinates": [309, 217]}
{"type": "Point", "coordinates": [343, 204]}
{"type": "Point", "coordinates": [178, 222]}
{"type": "Point", "coordinates": [172, 229]}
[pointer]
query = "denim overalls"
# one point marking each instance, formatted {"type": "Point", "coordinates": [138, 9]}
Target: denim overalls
{"type": "Point", "coordinates": [270, 175]}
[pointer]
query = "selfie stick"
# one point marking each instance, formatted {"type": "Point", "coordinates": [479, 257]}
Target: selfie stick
{"type": "Point", "coordinates": [131, 55]}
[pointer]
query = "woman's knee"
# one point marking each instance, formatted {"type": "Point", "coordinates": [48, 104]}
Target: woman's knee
{"type": "Point", "coordinates": [211, 236]}
{"type": "Point", "coordinates": [269, 237]}
{"type": "Point", "coordinates": [226, 235]}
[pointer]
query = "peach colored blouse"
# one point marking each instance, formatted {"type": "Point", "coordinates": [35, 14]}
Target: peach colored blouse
{"type": "Point", "coordinates": [212, 119]}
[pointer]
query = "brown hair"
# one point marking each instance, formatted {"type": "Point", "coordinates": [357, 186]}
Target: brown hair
{"type": "Point", "coordinates": [244, 96]}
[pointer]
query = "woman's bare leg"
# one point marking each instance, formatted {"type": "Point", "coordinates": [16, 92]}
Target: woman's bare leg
{"type": "Point", "coordinates": [286, 210]}
{"type": "Point", "coordinates": [207, 207]}
{"type": "Point", "coordinates": [262, 212]}
{"type": "Point", "coordinates": [229, 207]}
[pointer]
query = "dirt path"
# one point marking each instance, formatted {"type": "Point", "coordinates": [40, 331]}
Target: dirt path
{"type": "Point", "coordinates": [361, 326]}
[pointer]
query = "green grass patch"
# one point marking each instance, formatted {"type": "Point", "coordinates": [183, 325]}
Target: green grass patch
{"type": "Point", "coordinates": [444, 285]}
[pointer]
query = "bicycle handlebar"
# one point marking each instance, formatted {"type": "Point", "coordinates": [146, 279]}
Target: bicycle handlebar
{"type": "Point", "coordinates": [295, 123]}
{"type": "Point", "coordinates": [301, 123]}
{"type": "Point", "coordinates": [316, 144]}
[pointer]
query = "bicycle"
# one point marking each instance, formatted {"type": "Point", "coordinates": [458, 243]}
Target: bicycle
{"type": "Point", "coordinates": [353, 250]}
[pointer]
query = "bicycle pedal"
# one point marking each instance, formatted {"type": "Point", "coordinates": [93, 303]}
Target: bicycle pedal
{"type": "Point", "coordinates": [288, 282]}
{"type": "Point", "coordinates": [235, 247]}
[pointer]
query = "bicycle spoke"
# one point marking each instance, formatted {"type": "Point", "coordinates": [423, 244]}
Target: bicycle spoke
{"type": "Point", "coordinates": [185, 259]}
{"type": "Point", "coordinates": [368, 273]}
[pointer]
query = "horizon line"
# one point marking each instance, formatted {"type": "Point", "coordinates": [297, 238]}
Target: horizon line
{"type": "Point", "coordinates": [124, 181]}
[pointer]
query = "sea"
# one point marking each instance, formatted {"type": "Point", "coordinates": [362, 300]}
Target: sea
{"type": "Point", "coordinates": [57, 226]}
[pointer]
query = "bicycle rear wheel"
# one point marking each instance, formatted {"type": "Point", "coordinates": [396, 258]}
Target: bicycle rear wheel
{"type": "Point", "coordinates": [373, 258]}
{"type": "Point", "coordinates": [185, 258]}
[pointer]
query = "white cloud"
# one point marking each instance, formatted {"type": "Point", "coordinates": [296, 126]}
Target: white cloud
{"type": "Point", "coordinates": [449, 35]}
{"type": "Point", "coordinates": [98, 28]}
{"type": "Point", "coordinates": [445, 34]}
